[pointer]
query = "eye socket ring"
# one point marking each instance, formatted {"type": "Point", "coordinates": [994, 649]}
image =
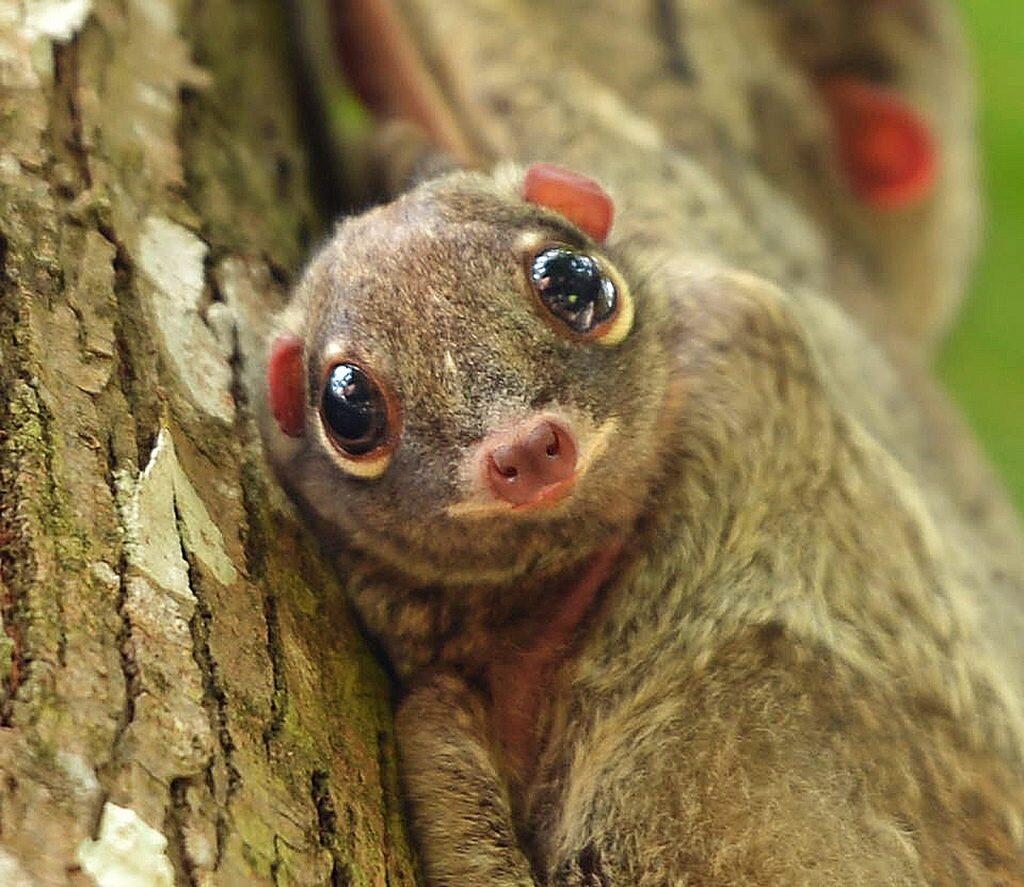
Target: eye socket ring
{"type": "Point", "coordinates": [561, 278]}
{"type": "Point", "coordinates": [359, 417]}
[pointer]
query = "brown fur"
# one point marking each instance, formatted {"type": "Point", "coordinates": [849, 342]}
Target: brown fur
{"type": "Point", "coordinates": [803, 665]}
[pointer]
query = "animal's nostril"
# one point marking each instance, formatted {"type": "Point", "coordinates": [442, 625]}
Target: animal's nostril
{"type": "Point", "coordinates": [506, 461]}
{"type": "Point", "coordinates": [543, 439]}
{"type": "Point", "coordinates": [552, 445]}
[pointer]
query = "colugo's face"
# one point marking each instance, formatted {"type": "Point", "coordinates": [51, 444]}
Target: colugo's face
{"type": "Point", "coordinates": [470, 386]}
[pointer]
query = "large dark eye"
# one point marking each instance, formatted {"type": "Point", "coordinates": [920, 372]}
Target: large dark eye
{"type": "Point", "coordinates": [354, 410]}
{"type": "Point", "coordinates": [574, 287]}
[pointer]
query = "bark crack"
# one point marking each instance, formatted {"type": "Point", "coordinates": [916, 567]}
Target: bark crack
{"type": "Point", "coordinates": [66, 121]}
{"type": "Point", "coordinates": [255, 546]}
{"type": "Point", "coordinates": [275, 865]}
{"type": "Point", "coordinates": [214, 696]}
{"type": "Point", "coordinates": [178, 813]}
{"type": "Point", "coordinates": [117, 476]}
{"type": "Point", "coordinates": [327, 827]}
{"type": "Point", "coordinates": [129, 667]}
{"type": "Point", "coordinates": [131, 344]}
{"type": "Point", "coordinates": [279, 696]}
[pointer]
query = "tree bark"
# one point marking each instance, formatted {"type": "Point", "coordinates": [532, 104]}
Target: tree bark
{"type": "Point", "coordinates": [184, 696]}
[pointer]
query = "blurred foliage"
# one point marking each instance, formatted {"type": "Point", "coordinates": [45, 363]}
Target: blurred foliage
{"type": "Point", "coordinates": [983, 362]}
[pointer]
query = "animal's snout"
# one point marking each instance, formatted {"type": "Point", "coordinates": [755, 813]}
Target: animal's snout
{"type": "Point", "coordinates": [532, 464]}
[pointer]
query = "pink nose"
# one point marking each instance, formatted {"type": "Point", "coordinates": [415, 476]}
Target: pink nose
{"type": "Point", "coordinates": [530, 463]}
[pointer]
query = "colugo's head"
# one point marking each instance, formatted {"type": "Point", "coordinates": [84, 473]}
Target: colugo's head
{"type": "Point", "coordinates": [468, 381]}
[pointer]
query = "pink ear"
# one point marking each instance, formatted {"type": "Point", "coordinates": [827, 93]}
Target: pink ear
{"type": "Point", "coordinates": [287, 388]}
{"type": "Point", "coordinates": [580, 199]}
{"type": "Point", "coordinates": [886, 149]}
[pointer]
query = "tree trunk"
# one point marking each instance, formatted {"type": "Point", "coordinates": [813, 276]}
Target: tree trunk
{"type": "Point", "coordinates": [184, 693]}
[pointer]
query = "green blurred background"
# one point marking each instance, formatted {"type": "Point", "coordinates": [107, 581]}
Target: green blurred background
{"type": "Point", "coordinates": [983, 362]}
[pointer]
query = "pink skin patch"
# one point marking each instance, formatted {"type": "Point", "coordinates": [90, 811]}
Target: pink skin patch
{"type": "Point", "coordinates": [580, 199]}
{"type": "Point", "coordinates": [886, 149]}
{"type": "Point", "coordinates": [521, 679]}
{"type": "Point", "coordinates": [287, 388]}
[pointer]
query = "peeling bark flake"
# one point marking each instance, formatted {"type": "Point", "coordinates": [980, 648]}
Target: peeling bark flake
{"type": "Point", "coordinates": [127, 853]}
{"type": "Point", "coordinates": [57, 20]}
{"type": "Point", "coordinates": [172, 260]}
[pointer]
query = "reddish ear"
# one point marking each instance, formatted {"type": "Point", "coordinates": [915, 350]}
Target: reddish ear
{"type": "Point", "coordinates": [886, 148]}
{"type": "Point", "coordinates": [581, 200]}
{"type": "Point", "coordinates": [287, 388]}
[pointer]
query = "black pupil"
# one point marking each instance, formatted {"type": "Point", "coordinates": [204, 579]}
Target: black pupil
{"type": "Point", "coordinates": [573, 286]}
{"type": "Point", "coordinates": [353, 410]}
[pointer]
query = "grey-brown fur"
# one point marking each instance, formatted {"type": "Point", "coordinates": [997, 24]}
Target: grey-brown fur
{"type": "Point", "coordinates": [805, 665]}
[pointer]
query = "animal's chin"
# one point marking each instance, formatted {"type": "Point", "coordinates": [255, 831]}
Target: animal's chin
{"type": "Point", "coordinates": [514, 550]}
{"type": "Point", "coordinates": [546, 536]}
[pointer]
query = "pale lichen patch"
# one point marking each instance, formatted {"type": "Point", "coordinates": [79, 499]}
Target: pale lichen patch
{"type": "Point", "coordinates": [11, 872]}
{"type": "Point", "coordinates": [172, 260]}
{"type": "Point", "coordinates": [10, 169]}
{"type": "Point", "coordinates": [104, 573]}
{"type": "Point", "coordinates": [81, 777]}
{"type": "Point", "coordinates": [159, 15]}
{"type": "Point", "coordinates": [221, 320]}
{"type": "Point", "coordinates": [153, 540]}
{"type": "Point", "coordinates": [245, 286]}
{"type": "Point", "coordinates": [17, 71]}
{"type": "Point", "coordinates": [159, 606]}
{"type": "Point", "coordinates": [57, 20]}
{"type": "Point", "coordinates": [163, 496]}
{"type": "Point", "coordinates": [127, 853]}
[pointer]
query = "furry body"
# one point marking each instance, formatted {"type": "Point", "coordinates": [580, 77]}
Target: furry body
{"type": "Point", "coordinates": [772, 637]}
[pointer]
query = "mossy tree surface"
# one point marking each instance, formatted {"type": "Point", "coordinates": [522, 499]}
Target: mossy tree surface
{"type": "Point", "coordinates": [173, 644]}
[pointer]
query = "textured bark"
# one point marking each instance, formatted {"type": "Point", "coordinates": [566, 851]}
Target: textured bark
{"type": "Point", "coordinates": [173, 644]}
